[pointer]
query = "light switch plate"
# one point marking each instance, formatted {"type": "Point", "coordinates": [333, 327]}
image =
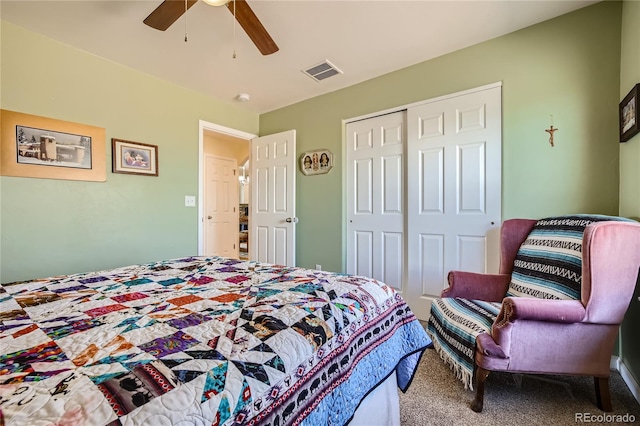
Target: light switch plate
{"type": "Point", "coordinates": [189, 201]}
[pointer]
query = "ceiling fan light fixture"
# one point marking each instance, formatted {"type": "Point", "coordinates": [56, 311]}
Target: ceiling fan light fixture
{"type": "Point", "coordinates": [216, 2]}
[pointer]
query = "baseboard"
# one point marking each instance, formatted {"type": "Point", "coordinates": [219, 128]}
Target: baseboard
{"type": "Point", "coordinates": [618, 365]}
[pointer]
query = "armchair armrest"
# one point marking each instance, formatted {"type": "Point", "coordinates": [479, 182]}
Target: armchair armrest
{"type": "Point", "coordinates": [526, 308]}
{"type": "Point", "coordinates": [471, 285]}
{"type": "Point", "coordinates": [487, 346]}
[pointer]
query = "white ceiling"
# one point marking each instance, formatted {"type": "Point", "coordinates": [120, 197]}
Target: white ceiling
{"type": "Point", "coordinates": [363, 38]}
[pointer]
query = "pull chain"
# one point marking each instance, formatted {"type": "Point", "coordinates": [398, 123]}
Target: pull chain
{"type": "Point", "coordinates": [185, 21]}
{"type": "Point", "coordinates": [234, 29]}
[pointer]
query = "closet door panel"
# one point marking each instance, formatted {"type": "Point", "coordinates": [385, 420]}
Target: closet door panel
{"type": "Point", "coordinates": [392, 264]}
{"type": "Point", "coordinates": [471, 190]}
{"type": "Point", "coordinates": [375, 199]}
{"type": "Point", "coordinates": [431, 173]}
{"type": "Point", "coordinates": [454, 186]}
{"type": "Point", "coordinates": [431, 254]}
{"type": "Point", "coordinates": [392, 184]}
{"type": "Point", "coordinates": [363, 186]}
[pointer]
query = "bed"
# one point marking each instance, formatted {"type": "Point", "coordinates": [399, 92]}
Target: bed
{"type": "Point", "coordinates": [203, 341]}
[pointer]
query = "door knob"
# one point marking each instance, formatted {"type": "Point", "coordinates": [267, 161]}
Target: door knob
{"type": "Point", "coordinates": [209, 217]}
{"type": "Point", "coordinates": [291, 219]}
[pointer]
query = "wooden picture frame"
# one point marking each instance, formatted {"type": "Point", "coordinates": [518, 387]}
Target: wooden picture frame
{"type": "Point", "coordinates": [629, 115]}
{"type": "Point", "coordinates": [316, 162]}
{"type": "Point", "coordinates": [134, 158]}
{"type": "Point", "coordinates": [42, 147]}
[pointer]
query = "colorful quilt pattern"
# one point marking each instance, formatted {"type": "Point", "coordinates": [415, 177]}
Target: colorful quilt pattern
{"type": "Point", "coordinates": [200, 341]}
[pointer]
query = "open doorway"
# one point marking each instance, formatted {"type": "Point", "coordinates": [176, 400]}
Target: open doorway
{"type": "Point", "coordinates": [234, 145]}
{"type": "Point", "coordinates": [244, 201]}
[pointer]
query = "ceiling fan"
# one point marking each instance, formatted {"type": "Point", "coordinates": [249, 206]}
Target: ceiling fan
{"type": "Point", "coordinates": [170, 10]}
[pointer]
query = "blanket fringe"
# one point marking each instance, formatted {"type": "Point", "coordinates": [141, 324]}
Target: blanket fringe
{"type": "Point", "coordinates": [460, 373]}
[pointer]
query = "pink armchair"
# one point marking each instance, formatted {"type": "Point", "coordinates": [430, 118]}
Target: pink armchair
{"type": "Point", "coordinates": [563, 336]}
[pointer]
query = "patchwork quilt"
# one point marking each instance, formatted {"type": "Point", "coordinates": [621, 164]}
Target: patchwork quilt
{"type": "Point", "coordinates": [200, 341]}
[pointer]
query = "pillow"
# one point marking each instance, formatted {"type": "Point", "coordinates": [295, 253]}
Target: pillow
{"type": "Point", "coordinates": [548, 264]}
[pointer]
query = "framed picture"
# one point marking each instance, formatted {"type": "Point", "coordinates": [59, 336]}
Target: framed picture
{"type": "Point", "coordinates": [134, 157]}
{"type": "Point", "coordinates": [316, 162]}
{"type": "Point", "coordinates": [629, 125]}
{"type": "Point", "coordinates": [42, 147]}
{"type": "Point", "coordinates": [52, 149]}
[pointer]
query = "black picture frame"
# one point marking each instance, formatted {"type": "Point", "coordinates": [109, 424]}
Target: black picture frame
{"type": "Point", "coordinates": [629, 115]}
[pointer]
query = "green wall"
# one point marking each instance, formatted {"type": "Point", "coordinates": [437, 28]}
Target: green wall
{"type": "Point", "coordinates": [630, 174]}
{"type": "Point", "coordinates": [51, 227]}
{"type": "Point", "coordinates": [568, 67]}
{"type": "Point", "coordinates": [629, 77]}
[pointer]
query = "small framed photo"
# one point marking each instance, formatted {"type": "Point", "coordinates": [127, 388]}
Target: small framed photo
{"type": "Point", "coordinates": [629, 123]}
{"type": "Point", "coordinates": [134, 157]}
{"type": "Point", "coordinates": [316, 162]}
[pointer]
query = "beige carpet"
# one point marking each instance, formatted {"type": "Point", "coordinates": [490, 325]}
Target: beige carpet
{"type": "Point", "coordinates": [436, 397]}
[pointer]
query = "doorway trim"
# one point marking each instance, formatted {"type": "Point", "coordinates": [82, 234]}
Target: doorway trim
{"type": "Point", "coordinates": [217, 128]}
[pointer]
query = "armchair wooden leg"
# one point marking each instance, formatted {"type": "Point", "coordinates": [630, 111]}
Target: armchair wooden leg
{"type": "Point", "coordinates": [603, 397]}
{"type": "Point", "coordinates": [478, 402]}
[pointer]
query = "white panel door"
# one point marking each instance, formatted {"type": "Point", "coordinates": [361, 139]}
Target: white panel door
{"type": "Point", "coordinates": [272, 219]}
{"type": "Point", "coordinates": [221, 207]}
{"type": "Point", "coordinates": [454, 182]}
{"type": "Point", "coordinates": [375, 198]}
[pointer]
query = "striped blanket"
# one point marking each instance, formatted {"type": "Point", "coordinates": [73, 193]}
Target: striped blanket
{"type": "Point", "coordinates": [453, 327]}
{"type": "Point", "coordinates": [548, 264]}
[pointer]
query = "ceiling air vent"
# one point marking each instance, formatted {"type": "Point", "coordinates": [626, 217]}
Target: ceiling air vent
{"type": "Point", "coordinates": [322, 71]}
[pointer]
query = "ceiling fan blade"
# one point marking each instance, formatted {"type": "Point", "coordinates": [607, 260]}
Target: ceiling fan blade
{"type": "Point", "coordinates": [253, 27]}
{"type": "Point", "coordinates": [167, 13]}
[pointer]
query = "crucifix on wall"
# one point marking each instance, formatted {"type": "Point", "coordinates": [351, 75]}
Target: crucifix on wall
{"type": "Point", "coordinates": [551, 130]}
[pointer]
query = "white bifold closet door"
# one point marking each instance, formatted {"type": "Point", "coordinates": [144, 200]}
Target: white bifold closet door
{"type": "Point", "coordinates": [375, 198]}
{"type": "Point", "coordinates": [445, 155]}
